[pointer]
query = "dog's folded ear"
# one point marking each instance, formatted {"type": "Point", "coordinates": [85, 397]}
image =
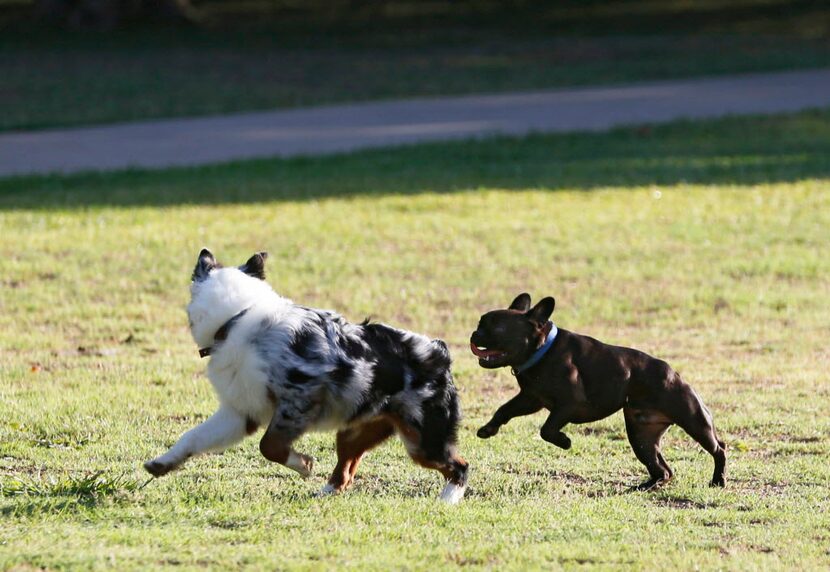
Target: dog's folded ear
{"type": "Point", "coordinates": [521, 303]}
{"type": "Point", "coordinates": [255, 266]}
{"type": "Point", "coordinates": [204, 265]}
{"type": "Point", "coordinates": [542, 310]}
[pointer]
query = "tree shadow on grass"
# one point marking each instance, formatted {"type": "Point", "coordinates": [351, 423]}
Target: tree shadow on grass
{"type": "Point", "coordinates": [731, 151]}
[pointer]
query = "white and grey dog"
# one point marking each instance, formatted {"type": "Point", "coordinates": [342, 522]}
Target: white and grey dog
{"type": "Point", "coordinates": [296, 369]}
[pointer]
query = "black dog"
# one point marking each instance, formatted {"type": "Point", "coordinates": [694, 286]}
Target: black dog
{"type": "Point", "coordinates": [579, 380]}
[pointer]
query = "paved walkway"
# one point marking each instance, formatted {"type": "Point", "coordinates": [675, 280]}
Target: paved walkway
{"type": "Point", "coordinates": [332, 129]}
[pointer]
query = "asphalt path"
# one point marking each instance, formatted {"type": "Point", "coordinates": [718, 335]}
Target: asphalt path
{"type": "Point", "coordinates": [343, 128]}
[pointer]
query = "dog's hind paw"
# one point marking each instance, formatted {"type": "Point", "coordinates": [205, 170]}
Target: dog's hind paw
{"type": "Point", "coordinates": [718, 482]}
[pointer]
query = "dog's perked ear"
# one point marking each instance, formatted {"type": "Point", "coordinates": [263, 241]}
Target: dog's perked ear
{"type": "Point", "coordinates": [521, 303]}
{"type": "Point", "coordinates": [255, 266]}
{"type": "Point", "coordinates": [204, 265]}
{"type": "Point", "coordinates": [542, 310]}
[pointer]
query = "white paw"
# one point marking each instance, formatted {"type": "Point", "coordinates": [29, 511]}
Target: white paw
{"type": "Point", "coordinates": [326, 491]}
{"type": "Point", "coordinates": [452, 493]}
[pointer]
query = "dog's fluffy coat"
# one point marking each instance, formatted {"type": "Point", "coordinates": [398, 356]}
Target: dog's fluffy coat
{"type": "Point", "coordinates": [295, 369]}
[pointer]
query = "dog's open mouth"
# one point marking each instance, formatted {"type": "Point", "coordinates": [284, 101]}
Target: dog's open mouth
{"type": "Point", "coordinates": [486, 354]}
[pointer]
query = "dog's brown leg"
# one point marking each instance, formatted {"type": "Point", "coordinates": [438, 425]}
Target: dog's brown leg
{"type": "Point", "coordinates": [276, 446]}
{"type": "Point", "coordinates": [441, 458]}
{"type": "Point", "coordinates": [453, 468]}
{"type": "Point", "coordinates": [645, 428]}
{"type": "Point", "coordinates": [352, 444]}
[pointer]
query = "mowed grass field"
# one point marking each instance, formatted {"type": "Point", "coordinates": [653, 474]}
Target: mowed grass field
{"type": "Point", "coordinates": [705, 244]}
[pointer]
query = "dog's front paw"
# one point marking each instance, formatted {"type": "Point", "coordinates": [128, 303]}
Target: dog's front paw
{"type": "Point", "coordinates": [563, 441]}
{"type": "Point", "coordinates": [303, 464]}
{"type": "Point", "coordinates": [487, 431]}
{"type": "Point", "coordinates": [157, 468]}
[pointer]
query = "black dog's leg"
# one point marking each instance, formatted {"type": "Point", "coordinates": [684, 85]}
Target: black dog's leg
{"type": "Point", "coordinates": [696, 420]}
{"type": "Point", "coordinates": [645, 428]}
{"type": "Point", "coordinates": [522, 404]}
{"type": "Point", "coordinates": [552, 429]}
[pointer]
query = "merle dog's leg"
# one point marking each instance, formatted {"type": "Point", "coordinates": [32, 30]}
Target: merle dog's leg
{"type": "Point", "coordinates": [552, 429]}
{"type": "Point", "coordinates": [275, 446]}
{"type": "Point", "coordinates": [454, 469]}
{"type": "Point", "coordinates": [696, 420]}
{"type": "Point", "coordinates": [290, 421]}
{"type": "Point", "coordinates": [431, 441]}
{"type": "Point", "coordinates": [521, 404]}
{"type": "Point", "coordinates": [352, 444]}
{"type": "Point", "coordinates": [223, 429]}
{"type": "Point", "coordinates": [645, 428]}
{"type": "Point", "coordinates": [452, 466]}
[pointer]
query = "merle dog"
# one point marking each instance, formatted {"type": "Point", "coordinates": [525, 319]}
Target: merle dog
{"type": "Point", "coordinates": [295, 369]}
{"type": "Point", "coordinates": [579, 380]}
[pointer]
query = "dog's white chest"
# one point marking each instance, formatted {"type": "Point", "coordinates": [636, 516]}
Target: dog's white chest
{"type": "Point", "coordinates": [241, 384]}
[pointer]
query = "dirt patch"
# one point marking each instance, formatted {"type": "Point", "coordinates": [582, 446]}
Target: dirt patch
{"type": "Point", "coordinates": [14, 467]}
{"type": "Point", "coordinates": [611, 433]}
{"type": "Point", "coordinates": [545, 474]}
{"type": "Point", "coordinates": [201, 563]}
{"type": "Point", "coordinates": [193, 418]}
{"type": "Point", "coordinates": [806, 439]}
{"type": "Point", "coordinates": [683, 503]}
{"type": "Point", "coordinates": [462, 560]}
{"type": "Point", "coordinates": [759, 488]}
{"type": "Point", "coordinates": [761, 549]}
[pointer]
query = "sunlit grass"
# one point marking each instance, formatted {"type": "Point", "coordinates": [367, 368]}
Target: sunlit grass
{"type": "Point", "coordinates": [722, 270]}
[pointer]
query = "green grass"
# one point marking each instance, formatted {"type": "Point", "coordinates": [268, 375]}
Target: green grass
{"type": "Point", "coordinates": [705, 244]}
{"type": "Point", "coordinates": [299, 59]}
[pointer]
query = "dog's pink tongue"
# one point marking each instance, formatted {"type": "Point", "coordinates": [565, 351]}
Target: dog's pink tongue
{"type": "Point", "coordinates": [483, 353]}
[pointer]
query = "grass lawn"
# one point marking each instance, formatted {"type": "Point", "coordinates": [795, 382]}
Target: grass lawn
{"type": "Point", "coordinates": [705, 244]}
{"type": "Point", "coordinates": [249, 59]}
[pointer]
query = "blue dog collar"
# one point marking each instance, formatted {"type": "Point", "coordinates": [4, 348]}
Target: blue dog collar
{"type": "Point", "coordinates": [540, 353]}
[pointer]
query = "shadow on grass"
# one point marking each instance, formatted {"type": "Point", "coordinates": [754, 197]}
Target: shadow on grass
{"type": "Point", "coordinates": [386, 21]}
{"type": "Point", "coordinates": [741, 151]}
